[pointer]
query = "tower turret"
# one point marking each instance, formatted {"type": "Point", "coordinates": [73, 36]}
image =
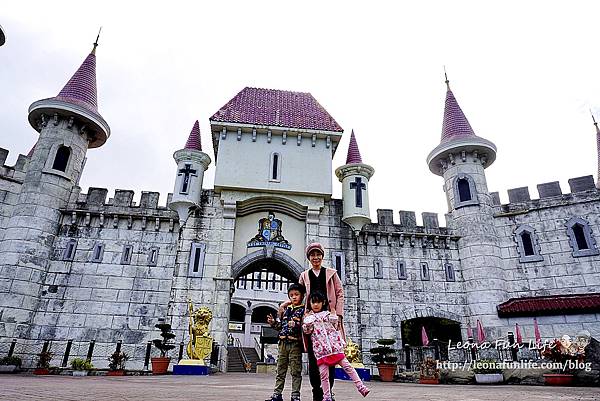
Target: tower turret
{"type": "Point", "coordinates": [354, 176]}
{"type": "Point", "coordinates": [68, 124]}
{"type": "Point", "coordinates": [461, 158]}
{"type": "Point", "coordinates": [192, 162]}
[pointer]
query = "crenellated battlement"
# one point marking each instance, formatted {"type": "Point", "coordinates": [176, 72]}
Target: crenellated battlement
{"type": "Point", "coordinates": [96, 199]}
{"type": "Point", "coordinates": [93, 209]}
{"type": "Point", "coordinates": [550, 194]}
{"type": "Point", "coordinates": [407, 232]}
{"type": "Point", "coordinates": [13, 173]}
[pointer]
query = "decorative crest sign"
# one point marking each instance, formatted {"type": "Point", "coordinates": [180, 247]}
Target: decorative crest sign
{"type": "Point", "coordinates": [269, 233]}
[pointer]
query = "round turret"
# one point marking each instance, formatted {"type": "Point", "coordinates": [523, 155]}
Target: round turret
{"type": "Point", "coordinates": [354, 176]}
{"type": "Point", "coordinates": [191, 165]}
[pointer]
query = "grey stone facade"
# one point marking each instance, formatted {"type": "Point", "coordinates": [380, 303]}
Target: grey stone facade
{"type": "Point", "coordinates": [83, 267]}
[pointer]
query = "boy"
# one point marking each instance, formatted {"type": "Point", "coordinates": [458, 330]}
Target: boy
{"type": "Point", "coordinates": [290, 343]}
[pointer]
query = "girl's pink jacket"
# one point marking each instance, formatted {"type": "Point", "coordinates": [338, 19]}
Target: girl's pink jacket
{"type": "Point", "coordinates": [328, 343]}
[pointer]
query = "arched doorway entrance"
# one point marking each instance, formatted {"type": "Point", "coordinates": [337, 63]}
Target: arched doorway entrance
{"type": "Point", "coordinates": [260, 281]}
{"type": "Point", "coordinates": [442, 329]}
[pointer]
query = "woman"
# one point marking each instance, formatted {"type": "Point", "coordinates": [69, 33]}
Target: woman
{"type": "Point", "coordinates": [327, 281]}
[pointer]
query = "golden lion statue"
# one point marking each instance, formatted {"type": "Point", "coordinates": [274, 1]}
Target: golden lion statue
{"type": "Point", "coordinates": [200, 344]}
{"type": "Point", "coordinates": [353, 354]}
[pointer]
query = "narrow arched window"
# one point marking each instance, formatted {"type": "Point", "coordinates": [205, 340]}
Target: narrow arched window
{"type": "Point", "coordinates": [61, 159]}
{"type": "Point", "coordinates": [527, 244]}
{"type": "Point", "coordinates": [275, 167]}
{"type": "Point", "coordinates": [424, 271]}
{"type": "Point", "coordinates": [275, 172]}
{"type": "Point", "coordinates": [464, 190]}
{"type": "Point", "coordinates": [450, 272]}
{"type": "Point", "coordinates": [580, 237]}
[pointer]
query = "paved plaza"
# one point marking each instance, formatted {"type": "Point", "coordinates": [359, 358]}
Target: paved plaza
{"type": "Point", "coordinates": [256, 387]}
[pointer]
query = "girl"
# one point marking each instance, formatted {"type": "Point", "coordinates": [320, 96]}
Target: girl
{"type": "Point", "coordinates": [328, 344]}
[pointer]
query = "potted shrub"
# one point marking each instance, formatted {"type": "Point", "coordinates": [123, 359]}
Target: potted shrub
{"type": "Point", "coordinates": [487, 371]}
{"type": "Point", "coordinates": [429, 373]}
{"type": "Point", "coordinates": [81, 366]}
{"type": "Point", "coordinates": [160, 365]}
{"type": "Point", "coordinates": [43, 364]}
{"type": "Point", "coordinates": [567, 356]}
{"type": "Point", "coordinates": [384, 358]}
{"type": "Point", "coordinates": [10, 364]}
{"type": "Point", "coordinates": [116, 363]}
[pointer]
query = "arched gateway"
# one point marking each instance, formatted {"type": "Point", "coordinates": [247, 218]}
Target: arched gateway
{"type": "Point", "coordinates": [260, 282]}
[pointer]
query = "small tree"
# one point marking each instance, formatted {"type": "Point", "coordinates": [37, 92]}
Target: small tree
{"type": "Point", "coordinates": [81, 364]}
{"type": "Point", "coordinates": [384, 354]}
{"type": "Point", "coordinates": [44, 359]}
{"type": "Point", "coordinates": [117, 360]}
{"type": "Point", "coordinates": [164, 343]}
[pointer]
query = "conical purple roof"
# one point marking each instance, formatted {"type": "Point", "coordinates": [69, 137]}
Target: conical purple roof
{"type": "Point", "coordinates": [81, 88]}
{"type": "Point", "coordinates": [455, 123]}
{"type": "Point", "coordinates": [31, 150]}
{"type": "Point", "coordinates": [193, 141]}
{"type": "Point", "coordinates": [353, 152]}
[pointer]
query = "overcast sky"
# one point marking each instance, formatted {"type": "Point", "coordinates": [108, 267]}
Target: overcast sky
{"type": "Point", "coordinates": [525, 73]}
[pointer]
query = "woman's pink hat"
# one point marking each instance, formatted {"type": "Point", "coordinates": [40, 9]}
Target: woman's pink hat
{"type": "Point", "coordinates": [312, 246]}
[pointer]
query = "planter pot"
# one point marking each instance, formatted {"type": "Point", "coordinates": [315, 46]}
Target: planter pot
{"type": "Point", "coordinates": [429, 380]}
{"type": "Point", "coordinates": [115, 373]}
{"type": "Point", "coordinates": [8, 368]}
{"type": "Point", "coordinates": [41, 371]}
{"type": "Point", "coordinates": [489, 378]}
{"type": "Point", "coordinates": [80, 373]}
{"type": "Point", "coordinates": [386, 372]}
{"type": "Point", "coordinates": [558, 379]}
{"type": "Point", "coordinates": [160, 365]}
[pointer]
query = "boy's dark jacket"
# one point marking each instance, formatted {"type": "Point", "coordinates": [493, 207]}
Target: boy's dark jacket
{"type": "Point", "coordinates": [291, 313]}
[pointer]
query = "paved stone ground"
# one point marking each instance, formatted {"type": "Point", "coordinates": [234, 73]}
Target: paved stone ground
{"type": "Point", "coordinates": [256, 387]}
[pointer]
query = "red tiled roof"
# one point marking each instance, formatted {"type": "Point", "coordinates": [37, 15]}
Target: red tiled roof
{"type": "Point", "coordinates": [81, 88]}
{"type": "Point", "coordinates": [550, 305]}
{"type": "Point", "coordinates": [353, 152]}
{"type": "Point", "coordinates": [455, 123]}
{"type": "Point", "coordinates": [193, 141]}
{"type": "Point", "coordinates": [276, 108]}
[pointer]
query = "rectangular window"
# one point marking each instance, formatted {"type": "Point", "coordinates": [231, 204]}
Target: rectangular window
{"type": "Point", "coordinates": [153, 256]}
{"type": "Point", "coordinates": [197, 254]}
{"type": "Point", "coordinates": [275, 168]}
{"type": "Point", "coordinates": [126, 255]}
{"type": "Point", "coordinates": [69, 252]}
{"type": "Point", "coordinates": [449, 272]}
{"type": "Point", "coordinates": [401, 267]}
{"type": "Point", "coordinates": [339, 263]}
{"type": "Point", "coordinates": [97, 252]}
{"type": "Point", "coordinates": [378, 269]}
{"type": "Point", "coordinates": [424, 271]}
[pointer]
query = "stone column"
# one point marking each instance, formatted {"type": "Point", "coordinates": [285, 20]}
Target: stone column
{"type": "Point", "coordinates": [248, 329]}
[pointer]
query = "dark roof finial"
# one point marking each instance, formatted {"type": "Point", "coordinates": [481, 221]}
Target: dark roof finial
{"type": "Point", "coordinates": [594, 119]}
{"type": "Point", "coordinates": [96, 42]}
{"type": "Point", "coordinates": [446, 76]}
{"type": "Point", "coordinates": [446, 81]}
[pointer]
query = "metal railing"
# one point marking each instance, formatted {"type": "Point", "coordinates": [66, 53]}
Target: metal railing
{"type": "Point", "coordinates": [245, 360]}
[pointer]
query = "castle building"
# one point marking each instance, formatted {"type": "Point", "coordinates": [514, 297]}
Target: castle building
{"type": "Point", "coordinates": [92, 266]}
